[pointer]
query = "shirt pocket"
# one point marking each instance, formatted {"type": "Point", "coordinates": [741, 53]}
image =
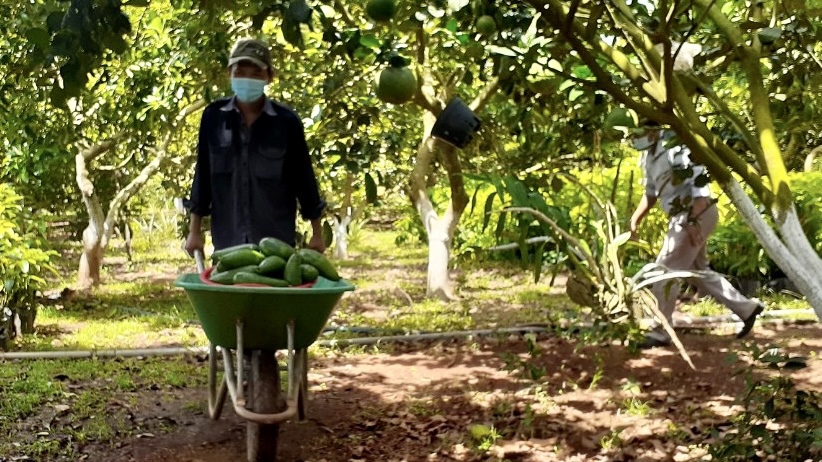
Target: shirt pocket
{"type": "Point", "coordinates": [222, 161]}
{"type": "Point", "coordinates": [269, 163]}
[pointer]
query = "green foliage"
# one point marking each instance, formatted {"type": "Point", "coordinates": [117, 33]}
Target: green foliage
{"type": "Point", "coordinates": [807, 190]}
{"type": "Point", "coordinates": [779, 421]}
{"type": "Point", "coordinates": [156, 224]}
{"type": "Point", "coordinates": [484, 436]}
{"type": "Point", "coordinates": [611, 440]}
{"type": "Point", "coordinates": [77, 35]}
{"type": "Point", "coordinates": [24, 259]}
{"type": "Point", "coordinates": [536, 242]}
{"type": "Point", "coordinates": [560, 196]}
{"type": "Point", "coordinates": [738, 253]}
{"type": "Point", "coordinates": [131, 98]}
{"type": "Point", "coordinates": [380, 10]}
{"type": "Point", "coordinates": [597, 278]}
{"type": "Point", "coordinates": [526, 368]}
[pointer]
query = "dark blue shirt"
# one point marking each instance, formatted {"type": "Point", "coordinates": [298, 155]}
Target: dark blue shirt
{"type": "Point", "coordinates": [250, 180]}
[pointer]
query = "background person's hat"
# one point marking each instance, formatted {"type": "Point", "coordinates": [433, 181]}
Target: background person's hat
{"type": "Point", "coordinates": [251, 50]}
{"type": "Point", "coordinates": [648, 123]}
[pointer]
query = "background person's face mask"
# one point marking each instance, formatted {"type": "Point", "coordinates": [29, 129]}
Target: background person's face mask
{"type": "Point", "coordinates": [646, 140]}
{"type": "Point", "coordinates": [248, 90]}
{"type": "Point", "coordinates": [642, 143]}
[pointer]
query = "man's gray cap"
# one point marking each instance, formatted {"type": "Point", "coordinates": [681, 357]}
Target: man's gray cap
{"type": "Point", "coordinates": [251, 50]}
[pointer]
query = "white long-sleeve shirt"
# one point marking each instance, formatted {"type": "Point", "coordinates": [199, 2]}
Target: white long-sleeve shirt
{"type": "Point", "coordinates": [671, 176]}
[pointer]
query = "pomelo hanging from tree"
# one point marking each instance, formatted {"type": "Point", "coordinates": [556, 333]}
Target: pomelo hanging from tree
{"type": "Point", "coordinates": [381, 10]}
{"type": "Point", "coordinates": [486, 25]}
{"type": "Point", "coordinates": [396, 84]}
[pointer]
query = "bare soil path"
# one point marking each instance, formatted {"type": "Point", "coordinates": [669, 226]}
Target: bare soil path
{"type": "Point", "coordinates": [421, 401]}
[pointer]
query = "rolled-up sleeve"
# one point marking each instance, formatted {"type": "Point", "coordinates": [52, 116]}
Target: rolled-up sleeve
{"type": "Point", "coordinates": [200, 199]}
{"type": "Point", "coordinates": [301, 174]}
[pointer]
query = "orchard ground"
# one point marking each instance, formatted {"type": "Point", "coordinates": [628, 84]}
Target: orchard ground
{"type": "Point", "coordinates": [556, 396]}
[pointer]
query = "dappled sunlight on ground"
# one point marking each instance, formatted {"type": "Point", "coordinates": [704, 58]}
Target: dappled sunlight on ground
{"type": "Point", "coordinates": [423, 401]}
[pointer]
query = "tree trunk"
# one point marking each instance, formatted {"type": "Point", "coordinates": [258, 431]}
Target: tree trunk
{"type": "Point", "coordinates": [341, 223]}
{"type": "Point", "coordinates": [91, 260]}
{"type": "Point", "coordinates": [98, 233]}
{"type": "Point", "coordinates": [439, 230]}
{"type": "Point", "coordinates": [439, 254]}
{"type": "Point", "coordinates": [341, 236]}
{"type": "Point", "coordinates": [797, 259]}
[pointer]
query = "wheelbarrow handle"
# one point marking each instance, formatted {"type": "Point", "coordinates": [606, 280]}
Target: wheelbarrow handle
{"type": "Point", "coordinates": [200, 260]}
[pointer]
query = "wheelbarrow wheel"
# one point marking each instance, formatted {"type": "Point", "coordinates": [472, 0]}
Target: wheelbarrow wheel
{"type": "Point", "coordinates": [264, 397]}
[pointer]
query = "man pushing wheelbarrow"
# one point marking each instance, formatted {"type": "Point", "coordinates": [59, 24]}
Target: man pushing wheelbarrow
{"type": "Point", "coordinates": [253, 170]}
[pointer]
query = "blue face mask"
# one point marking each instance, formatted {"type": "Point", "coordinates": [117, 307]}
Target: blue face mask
{"type": "Point", "coordinates": [642, 143]}
{"type": "Point", "coordinates": [248, 90]}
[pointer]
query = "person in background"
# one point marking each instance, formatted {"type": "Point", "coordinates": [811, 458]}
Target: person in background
{"type": "Point", "coordinates": [681, 188]}
{"type": "Point", "coordinates": [253, 166]}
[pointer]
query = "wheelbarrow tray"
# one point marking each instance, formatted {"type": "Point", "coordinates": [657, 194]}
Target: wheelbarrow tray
{"type": "Point", "coordinates": [264, 311]}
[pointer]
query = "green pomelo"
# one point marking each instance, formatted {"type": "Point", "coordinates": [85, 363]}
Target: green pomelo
{"type": "Point", "coordinates": [474, 50]}
{"type": "Point", "coordinates": [396, 85]}
{"type": "Point", "coordinates": [486, 25]}
{"type": "Point", "coordinates": [380, 10]}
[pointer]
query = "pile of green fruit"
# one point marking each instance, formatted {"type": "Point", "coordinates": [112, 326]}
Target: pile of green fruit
{"type": "Point", "coordinates": [272, 262]}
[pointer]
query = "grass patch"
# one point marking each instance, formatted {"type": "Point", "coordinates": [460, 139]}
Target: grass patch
{"type": "Point", "coordinates": [75, 397]}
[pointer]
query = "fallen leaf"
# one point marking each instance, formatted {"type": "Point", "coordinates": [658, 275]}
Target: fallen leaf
{"type": "Point", "coordinates": [61, 408]}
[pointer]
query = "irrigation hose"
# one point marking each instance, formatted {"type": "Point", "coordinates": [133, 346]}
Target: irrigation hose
{"type": "Point", "coordinates": [105, 353]}
{"type": "Point", "coordinates": [693, 324]}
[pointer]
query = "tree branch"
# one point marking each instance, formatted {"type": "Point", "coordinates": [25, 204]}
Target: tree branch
{"type": "Point", "coordinates": [485, 95]}
{"type": "Point", "coordinates": [90, 153]}
{"type": "Point", "coordinates": [339, 7]}
{"type": "Point", "coordinates": [425, 96]}
{"type": "Point", "coordinates": [770, 156]}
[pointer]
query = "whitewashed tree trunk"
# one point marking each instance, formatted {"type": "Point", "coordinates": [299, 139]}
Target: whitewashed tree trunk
{"type": "Point", "coordinates": [439, 254]}
{"type": "Point", "coordinates": [97, 234]}
{"type": "Point", "coordinates": [341, 235]}
{"type": "Point", "coordinates": [439, 230]}
{"type": "Point", "coordinates": [792, 253]}
{"type": "Point", "coordinates": [91, 259]}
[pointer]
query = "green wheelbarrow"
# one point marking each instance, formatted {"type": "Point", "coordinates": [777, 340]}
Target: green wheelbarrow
{"type": "Point", "coordinates": [250, 324]}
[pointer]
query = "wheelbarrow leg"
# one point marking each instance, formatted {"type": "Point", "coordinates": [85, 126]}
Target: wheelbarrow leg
{"type": "Point", "coordinates": [302, 367]}
{"type": "Point", "coordinates": [216, 398]}
{"type": "Point", "coordinates": [264, 396]}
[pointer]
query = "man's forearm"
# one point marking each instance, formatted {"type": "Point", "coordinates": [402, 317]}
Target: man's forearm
{"type": "Point", "coordinates": [698, 206]}
{"type": "Point", "coordinates": [317, 226]}
{"type": "Point", "coordinates": [195, 226]}
{"type": "Point", "coordinates": [642, 209]}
